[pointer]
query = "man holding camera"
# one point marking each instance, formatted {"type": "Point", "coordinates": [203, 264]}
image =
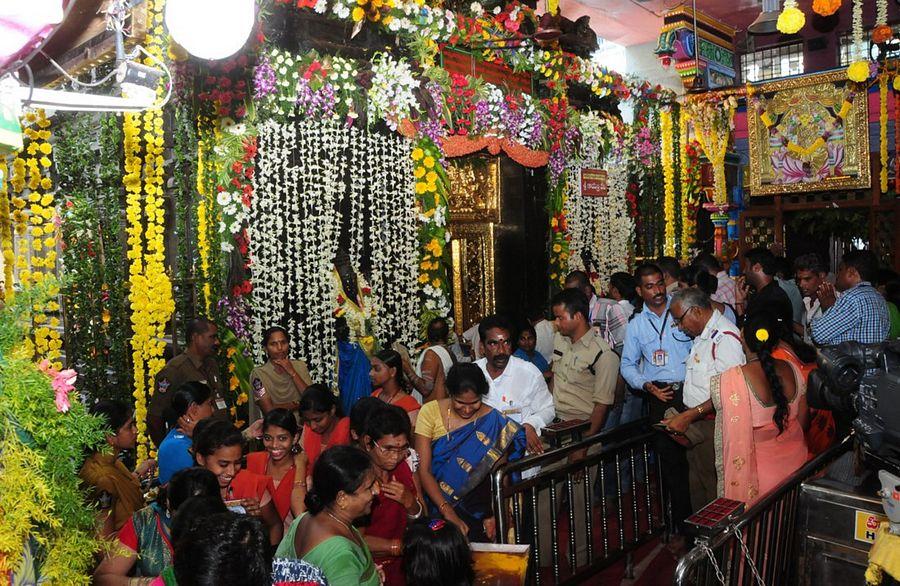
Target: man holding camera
{"type": "Point", "coordinates": [653, 360]}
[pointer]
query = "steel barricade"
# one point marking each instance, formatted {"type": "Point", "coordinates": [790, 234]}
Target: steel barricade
{"type": "Point", "coordinates": [760, 546]}
{"type": "Point", "coordinates": [581, 538]}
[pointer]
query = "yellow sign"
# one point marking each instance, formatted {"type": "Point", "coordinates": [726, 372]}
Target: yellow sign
{"type": "Point", "coordinates": [866, 525]}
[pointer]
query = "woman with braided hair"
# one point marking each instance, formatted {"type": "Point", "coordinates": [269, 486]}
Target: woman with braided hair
{"type": "Point", "coordinates": [760, 415]}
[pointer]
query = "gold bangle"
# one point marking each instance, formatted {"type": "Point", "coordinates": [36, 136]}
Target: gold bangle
{"type": "Point", "coordinates": [444, 504]}
{"type": "Point", "coordinates": [699, 409]}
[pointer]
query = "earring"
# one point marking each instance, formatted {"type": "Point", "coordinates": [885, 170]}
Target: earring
{"type": "Point", "coordinates": [295, 449]}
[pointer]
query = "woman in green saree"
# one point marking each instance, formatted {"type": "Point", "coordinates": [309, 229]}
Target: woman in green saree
{"type": "Point", "coordinates": [344, 486]}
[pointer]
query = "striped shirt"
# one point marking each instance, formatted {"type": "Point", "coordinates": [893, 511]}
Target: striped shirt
{"type": "Point", "coordinates": [860, 314]}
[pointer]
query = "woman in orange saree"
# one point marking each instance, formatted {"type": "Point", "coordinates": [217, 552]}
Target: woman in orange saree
{"type": "Point", "coordinates": [760, 415]}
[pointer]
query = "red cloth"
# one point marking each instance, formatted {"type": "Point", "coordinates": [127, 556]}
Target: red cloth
{"type": "Point", "coordinates": [248, 485]}
{"type": "Point", "coordinates": [257, 463]}
{"type": "Point", "coordinates": [406, 402]}
{"type": "Point", "coordinates": [312, 442]}
{"type": "Point", "coordinates": [389, 522]}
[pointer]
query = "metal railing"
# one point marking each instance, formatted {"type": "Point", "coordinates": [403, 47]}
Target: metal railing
{"type": "Point", "coordinates": [760, 546]}
{"type": "Point", "coordinates": [561, 512]}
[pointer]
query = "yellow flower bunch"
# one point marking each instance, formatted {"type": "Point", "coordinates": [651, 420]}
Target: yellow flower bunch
{"type": "Point", "coordinates": [6, 245]}
{"type": "Point", "coordinates": [882, 130]}
{"type": "Point", "coordinates": [33, 215]}
{"type": "Point", "coordinates": [429, 199]}
{"type": "Point", "coordinates": [668, 161]}
{"type": "Point", "coordinates": [373, 10]}
{"type": "Point", "coordinates": [713, 126]}
{"type": "Point", "coordinates": [687, 221]}
{"type": "Point", "coordinates": [202, 221]}
{"type": "Point", "coordinates": [150, 291]}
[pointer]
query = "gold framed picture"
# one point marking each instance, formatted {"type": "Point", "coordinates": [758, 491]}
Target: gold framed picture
{"type": "Point", "coordinates": [806, 134]}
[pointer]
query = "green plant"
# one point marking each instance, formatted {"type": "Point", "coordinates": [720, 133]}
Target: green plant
{"type": "Point", "coordinates": [46, 529]}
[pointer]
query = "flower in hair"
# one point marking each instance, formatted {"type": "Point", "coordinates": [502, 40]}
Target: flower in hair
{"type": "Point", "coordinates": [437, 524]}
{"type": "Point", "coordinates": [762, 334]}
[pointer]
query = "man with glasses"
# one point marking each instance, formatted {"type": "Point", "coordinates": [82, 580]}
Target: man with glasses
{"type": "Point", "coordinates": [717, 347]}
{"type": "Point", "coordinates": [517, 387]}
{"type": "Point", "coordinates": [653, 360]}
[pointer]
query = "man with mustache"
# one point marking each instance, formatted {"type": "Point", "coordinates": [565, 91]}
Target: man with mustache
{"type": "Point", "coordinates": [518, 389]}
{"type": "Point", "coordinates": [653, 360]}
{"type": "Point", "coordinates": [196, 363]}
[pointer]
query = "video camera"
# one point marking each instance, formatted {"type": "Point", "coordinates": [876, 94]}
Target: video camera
{"type": "Point", "coordinates": [862, 382]}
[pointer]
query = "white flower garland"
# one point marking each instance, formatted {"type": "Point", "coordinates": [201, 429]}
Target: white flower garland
{"type": "Point", "coordinates": [391, 97]}
{"type": "Point", "coordinates": [599, 225]}
{"type": "Point", "coordinates": [295, 227]}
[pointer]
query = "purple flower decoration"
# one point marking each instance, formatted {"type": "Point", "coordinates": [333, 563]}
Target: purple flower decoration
{"type": "Point", "coordinates": [264, 80]}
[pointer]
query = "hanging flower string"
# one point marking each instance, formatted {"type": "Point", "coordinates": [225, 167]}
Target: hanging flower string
{"type": "Point", "coordinates": [858, 71]}
{"type": "Point", "coordinates": [713, 123]}
{"type": "Point", "coordinates": [666, 155]}
{"type": "Point", "coordinates": [882, 131]}
{"type": "Point", "coordinates": [150, 288]}
{"type": "Point", "coordinates": [6, 236]}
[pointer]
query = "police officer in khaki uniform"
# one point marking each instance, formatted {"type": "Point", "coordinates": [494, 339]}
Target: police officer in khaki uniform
{"type": "Point", "coordinates": [196, 363]}
{"type": "Point", "coordinates": [585, 368]}
{"type": "Point", "coordinates": [585, 371]}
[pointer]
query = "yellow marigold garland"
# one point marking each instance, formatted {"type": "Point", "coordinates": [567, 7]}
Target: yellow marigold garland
{"type": "Point", "coordinates": [6, 244]}
{"type": "Point", "coordinates": [38, 259]}
{"type": "Point", "coordinates": [882, 128]}
{"type": "Point", "coordinates": [667, 159]}
{"type": "Point", "coordinates": [687, 221]}
{"type": "Point", "coordinates": [203, 222]}
{"type": "Point", "coordinates": [150, 288]}
{"type": "Point", "coordinates": [713, 126]}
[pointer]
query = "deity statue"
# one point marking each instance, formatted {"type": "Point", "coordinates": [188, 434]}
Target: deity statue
{"type": "Point", "coordinates": [353, 301]}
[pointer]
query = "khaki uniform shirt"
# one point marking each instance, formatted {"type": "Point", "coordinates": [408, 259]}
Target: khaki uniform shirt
{"type": "Point", "coordinates": [279, 386]}
{"type": "Point", "coordinates": [575, 389]}
{"type": "Point", "coordinates": [182, 369]}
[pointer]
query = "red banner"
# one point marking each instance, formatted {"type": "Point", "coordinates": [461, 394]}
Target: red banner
{"type": "Point", "coordinates": [594, 183]}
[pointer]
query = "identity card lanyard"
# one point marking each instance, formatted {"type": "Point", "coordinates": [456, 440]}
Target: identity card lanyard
{"type": "Point", "coordinates": [660, 356]}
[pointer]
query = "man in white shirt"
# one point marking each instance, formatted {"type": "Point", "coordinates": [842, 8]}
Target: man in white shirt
{"type": "Point", "coordinates": [544, 332]}
{"type": "Point", "coordinates": [717, 347]}
{"type": "Point", "coordinates": [518, 389]}
{"type": "Point", "coordinates": [810, 273]}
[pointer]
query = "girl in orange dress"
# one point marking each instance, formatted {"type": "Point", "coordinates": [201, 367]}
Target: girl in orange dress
{"type": "Point", "coordinates": [323, 427]}
{"type": "Point", "coordinates": [386, 373]}
{"type": "Point", "coordinates": [219, 447]}
{"type": "Point", "coordinates": [283, 462]}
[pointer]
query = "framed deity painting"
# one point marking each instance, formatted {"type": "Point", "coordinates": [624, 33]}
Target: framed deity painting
{"type": "Point", "coordinates": [808, 134]}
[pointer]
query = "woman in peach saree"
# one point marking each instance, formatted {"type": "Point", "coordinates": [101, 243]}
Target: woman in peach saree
{"type": "Point", "coordinates": [760, 415]}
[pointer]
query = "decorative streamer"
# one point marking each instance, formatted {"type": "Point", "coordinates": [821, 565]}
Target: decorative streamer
{"type": "Point", "coordinates": [666, 155]}
{"type": "Point", "coordinates": [687, 221]}
{"type": "Point", "coordinates": [882, 127]}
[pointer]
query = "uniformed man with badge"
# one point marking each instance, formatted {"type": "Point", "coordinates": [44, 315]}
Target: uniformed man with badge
{"type": "Point", "coordinates": [196, 363]}
{"type": "Point", "coordinates": [585, 368]}
{"type": "Point", "coordinates": [717, 347]}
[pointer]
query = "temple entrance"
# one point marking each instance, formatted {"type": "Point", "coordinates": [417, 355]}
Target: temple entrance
{"type": "Point", "coordinates": [494, 203]}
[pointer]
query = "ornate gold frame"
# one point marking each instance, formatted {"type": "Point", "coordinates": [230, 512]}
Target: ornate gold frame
{"type": "Point", "coordinates": [477, 239]}
{"type": "Point", "coordinates": [856, 129]}
{"type": "Point", "coordinates": [474, 189]}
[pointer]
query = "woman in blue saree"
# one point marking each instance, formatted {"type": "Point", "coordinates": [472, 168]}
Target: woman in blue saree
{"type": "Point", "coordinates": [460, 440]}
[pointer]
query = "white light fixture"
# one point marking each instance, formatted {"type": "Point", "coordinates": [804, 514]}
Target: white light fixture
{"type": "Point", "coordinates": [59, 100]}
{"type": "Point", "coordinates": [766, 22]}
{"type": "Point", "coordinates": [210, 29]}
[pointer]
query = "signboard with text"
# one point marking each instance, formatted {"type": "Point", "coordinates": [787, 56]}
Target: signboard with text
{"type": "Point", "coordinates": [594, 183]}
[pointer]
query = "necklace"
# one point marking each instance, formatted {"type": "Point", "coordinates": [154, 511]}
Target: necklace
{"type": "Point", "coordinates": [449, 420]}
{"type": "Point", "coordinates": [345, 525]}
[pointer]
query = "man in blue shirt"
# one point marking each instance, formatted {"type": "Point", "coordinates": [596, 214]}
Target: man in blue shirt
{"type": "Point", "coordinates": [861, 314]}
{"type": "Point", "coordinates": [653, 360]}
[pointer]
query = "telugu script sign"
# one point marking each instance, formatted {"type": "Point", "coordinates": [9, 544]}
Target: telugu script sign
{"type": "Point", "coordinates": [594, 183]}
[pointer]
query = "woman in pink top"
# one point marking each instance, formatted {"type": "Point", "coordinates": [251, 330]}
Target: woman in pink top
{"type": "Point", "coordinates": [760, 416]}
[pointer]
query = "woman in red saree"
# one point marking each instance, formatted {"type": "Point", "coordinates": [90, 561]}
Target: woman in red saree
{"type": "Point", "coordinates": [219, 447]}
{"type": "Point", "coordinates": [386, 439]}
{"type": "Point", "coordinates": [760, 415]}
{"type": "Point", "coordinates": [386, 376]}
{"type": "Point", "coordinates": [283, 462]}
{"type": "Point", "coordinates": [323, 427]}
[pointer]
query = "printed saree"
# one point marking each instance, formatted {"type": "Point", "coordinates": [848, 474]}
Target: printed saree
{"type": "Point", "coordinates": [463, 459]}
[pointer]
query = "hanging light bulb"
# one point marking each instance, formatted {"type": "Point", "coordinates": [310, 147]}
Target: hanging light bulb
{"type": "Point", "coordinates": [210, 29]}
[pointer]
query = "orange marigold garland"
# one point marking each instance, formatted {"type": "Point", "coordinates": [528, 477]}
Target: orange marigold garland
{"type": "Point", "coordinates": [826, 7]}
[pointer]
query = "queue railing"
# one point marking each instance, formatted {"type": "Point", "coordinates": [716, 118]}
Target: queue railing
{"type": "Point", "coordinates": [760, 545]}
{"type": "Point", "coordinates": [582, 514]}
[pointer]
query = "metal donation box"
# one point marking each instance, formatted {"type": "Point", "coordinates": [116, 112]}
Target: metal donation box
{"type": "Point", "coordinates": [835, 528]}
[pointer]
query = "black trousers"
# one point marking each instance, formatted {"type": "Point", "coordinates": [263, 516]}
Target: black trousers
{"type": "Point", "coordinates": [673, 462]}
